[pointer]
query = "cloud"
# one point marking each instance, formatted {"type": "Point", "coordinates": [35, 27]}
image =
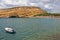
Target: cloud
{"type": "Point", "coordinates": [15, 2]}
{"type": "Point", "coordinates": [48, 6]}
{"type": "Point", "coordinates": [44, 4]}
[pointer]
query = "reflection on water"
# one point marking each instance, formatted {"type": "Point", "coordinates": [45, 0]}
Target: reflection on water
{"type": "Point", "coordinates": [31, 29]}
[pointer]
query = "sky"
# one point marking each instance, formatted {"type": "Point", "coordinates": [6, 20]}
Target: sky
{"type": "Point", "coordinates": [52, 6]}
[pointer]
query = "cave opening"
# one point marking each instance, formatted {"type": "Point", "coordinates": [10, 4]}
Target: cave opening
{"type": "Point", "coordinates": [13, 17]}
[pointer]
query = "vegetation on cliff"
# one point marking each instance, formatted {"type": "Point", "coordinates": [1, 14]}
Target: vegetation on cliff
{"type": "Point", "coordinates": [48, 14]}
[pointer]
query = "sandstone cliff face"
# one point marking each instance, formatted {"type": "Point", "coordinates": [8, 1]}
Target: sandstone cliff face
{"type": "Point", "coordinates": [21, 12]}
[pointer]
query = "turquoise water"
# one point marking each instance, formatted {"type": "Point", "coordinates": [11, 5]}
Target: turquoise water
{"type": "Point", "coordinates": [30, 28]}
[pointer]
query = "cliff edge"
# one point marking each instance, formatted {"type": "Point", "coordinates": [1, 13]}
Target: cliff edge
{"type": "Point", "coordinates": [23, 11]}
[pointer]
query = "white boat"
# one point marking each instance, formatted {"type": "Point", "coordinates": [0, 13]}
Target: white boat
{"type": "Point", "coordinates": [9, 30]}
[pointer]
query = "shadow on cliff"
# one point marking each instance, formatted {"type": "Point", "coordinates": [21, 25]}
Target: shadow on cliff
{"type": "Point", "coordinates": [13, 17]}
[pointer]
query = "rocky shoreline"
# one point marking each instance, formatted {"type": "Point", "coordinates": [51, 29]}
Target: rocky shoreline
{"type": "Point", "coordinates": [35, 17]}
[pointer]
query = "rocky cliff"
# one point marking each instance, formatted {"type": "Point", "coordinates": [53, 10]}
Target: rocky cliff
{"type": "Point", "coordinates": [21, 12]}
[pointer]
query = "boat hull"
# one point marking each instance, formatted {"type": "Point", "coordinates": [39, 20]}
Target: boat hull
{"type": "Point", "coordinates": [11, 32]}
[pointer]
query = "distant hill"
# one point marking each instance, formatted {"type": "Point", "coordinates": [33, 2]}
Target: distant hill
{"type": "Point", "coordinates": [23, 11]}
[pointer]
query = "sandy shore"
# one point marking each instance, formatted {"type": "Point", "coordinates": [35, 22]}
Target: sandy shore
{"type": "Point", "coordinates": [45, 17]}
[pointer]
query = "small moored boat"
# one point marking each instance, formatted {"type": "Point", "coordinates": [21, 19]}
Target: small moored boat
{"type": "Point", "coordinates": [10, 30]}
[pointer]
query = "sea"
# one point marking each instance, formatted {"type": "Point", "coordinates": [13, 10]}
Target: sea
{"type": "Point", "coordinates": [30, 28]}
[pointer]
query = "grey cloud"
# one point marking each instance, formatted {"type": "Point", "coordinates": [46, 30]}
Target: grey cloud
{"type": "Point", "coordinates": [55, 4]}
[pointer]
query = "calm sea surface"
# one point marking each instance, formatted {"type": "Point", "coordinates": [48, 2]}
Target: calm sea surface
{"type": "Point", "coordinates": [30, 28]}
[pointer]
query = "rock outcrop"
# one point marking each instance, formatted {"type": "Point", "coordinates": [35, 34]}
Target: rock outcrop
{"type": "Point", "coordinates": [21, 12]}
